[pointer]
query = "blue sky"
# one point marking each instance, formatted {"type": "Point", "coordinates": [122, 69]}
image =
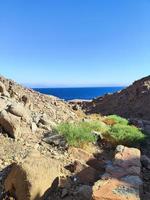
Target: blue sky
{"type": "Point", "coordinates": [46, 43]}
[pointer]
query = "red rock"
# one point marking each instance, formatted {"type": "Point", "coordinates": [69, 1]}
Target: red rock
{"type": "Point", "coordinates": [128, 157]}
{"type": "Point", "coordinates": [80, 154]}
{"type": "Point", "coordinates": [114, 189]}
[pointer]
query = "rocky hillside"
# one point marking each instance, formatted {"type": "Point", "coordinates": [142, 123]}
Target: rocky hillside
{"type": "Point", "coordinates": [134, 101]}
{"type": "Point", "coordinates": [37, 163]}
{"type": "Point", "coordinates": [25, 117]}
{"type": "Point", "coordinates": [37, 103]}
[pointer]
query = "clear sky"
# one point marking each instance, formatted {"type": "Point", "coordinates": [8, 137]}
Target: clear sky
{"type": "Point", "coordinates": [46, 43]}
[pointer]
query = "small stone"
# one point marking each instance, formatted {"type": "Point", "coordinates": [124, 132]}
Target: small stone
{"type": "Point", "coordinates": [36, 146]}
{"type": "Point", "coordinates": [120, 148]}
{"type": "Point", "coordinates": [33, 127]}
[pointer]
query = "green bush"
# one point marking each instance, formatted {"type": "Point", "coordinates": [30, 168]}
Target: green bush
{"type": "Point", "coordinates": [95, 125]}
{"type": "Point", "coordinates": [80, 133]}
{"type": "Point", "coordinates": [124, 134]}
{"type": "Point", "coordinates": [118, 119]}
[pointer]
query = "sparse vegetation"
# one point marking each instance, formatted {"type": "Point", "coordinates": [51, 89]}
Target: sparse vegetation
{"type": "Point", "coordinates": [124, 134]}
{"type": "Point", "coordinates": [117, 119]}
{"type": "Point", "coordinates": [79, 133]}
{"type": "Point", "coordinates": [114, 129]}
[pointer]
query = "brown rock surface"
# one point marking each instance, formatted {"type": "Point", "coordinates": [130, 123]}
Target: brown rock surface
{"type": "Point", "coordinates": [55, 109]}
{"type": "Point", "coordinates": [114, 189]}
{"type": "Point", "coordinates": [122, 179]}
{"type": "Point", "coordinates": [134, 101]}
{"type": "Point", "coordinates": [10, 123]}
{"type": "Point", "coordinates": [19, 110]}
{"type": "Point", "coordinates": [31, 179]}
{"type": "Point", "coordinates": [25, 117]}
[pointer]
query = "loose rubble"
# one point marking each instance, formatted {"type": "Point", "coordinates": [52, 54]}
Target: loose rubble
{"type": "Point", "coordinates": [122, 179]}
{"type": "Point", "coordinates": [37, 163]}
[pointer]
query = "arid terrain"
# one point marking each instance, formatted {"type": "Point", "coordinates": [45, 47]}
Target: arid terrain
{"type": "Point", "coordinates": [36, 162]}
{"type": "Point", "coordinates": [132, 102]}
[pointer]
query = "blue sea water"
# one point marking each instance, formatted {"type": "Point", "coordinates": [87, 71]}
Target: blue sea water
{"type": "Point", "coordinates": [87, 93]}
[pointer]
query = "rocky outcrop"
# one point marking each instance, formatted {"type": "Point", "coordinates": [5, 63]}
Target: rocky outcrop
{"type": "Point", "coordinates": [32, 179]}
{"type": "Point", "coordinates": [122, 179]}
{"type": "Point", "coordinates": [29, 110]}
{"type": "Point", "coordinates": [25, 117]}
{"type": "Point", "coordinates": [26, 121]}
{"type": "Point", "coordinates": [54, 108]}
{"type": "Point", "coordinates": [134, 101]}
{"type": "Point", "coordinates": [10, 123]}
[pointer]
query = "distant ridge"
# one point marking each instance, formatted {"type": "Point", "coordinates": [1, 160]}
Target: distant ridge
{"type": "Point", "coordinates": [134, 101]}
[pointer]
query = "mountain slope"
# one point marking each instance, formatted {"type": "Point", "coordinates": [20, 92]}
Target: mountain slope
{"type": "Point", "coordinates": [134, 101]}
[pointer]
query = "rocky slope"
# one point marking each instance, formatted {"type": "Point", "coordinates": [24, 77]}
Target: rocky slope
{"type": "Point", "coordinates": [134, 101]}
{"type": "Point", "coordinates": [25, 117]}
{"type": "Point", "coordinates": [37, 164]}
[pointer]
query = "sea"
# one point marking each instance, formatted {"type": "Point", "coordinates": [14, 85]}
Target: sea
{"type": "Point", "coordinates": [86, 93]}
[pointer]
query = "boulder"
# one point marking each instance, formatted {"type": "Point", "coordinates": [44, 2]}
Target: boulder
{"type": "Point", "coordinates": [114, 189]}
{"type": "Point", "coordinates": [121, 180]}
{"type": "Point", "coordinates": [86, 174]}
{"type": "Point", "coordinates": [10, 123]}
{"type": "Point", "coordinates": [127, 157]}
{"type": "Point", "coordinates": [20, 111]}
{"type": "Point", "coordinates": [56, 140]}
{"type": "Point", "coordinates": [33, 178]}
{"type": "Point", "coordinates": [83, 173]}
{"type": "Point", "coordinates": [80, 154]}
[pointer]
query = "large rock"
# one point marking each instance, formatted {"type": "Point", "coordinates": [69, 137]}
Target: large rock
{"type": "Point", "coordinates": [56, 140]}
{"type": "Point", "coordinates": [80, 154]}
{"type": "Point", "coordinates": [32, 179]}
{"type": "Point", "coordinates": [114, 189]}
{"type": "Point", "coordinates": [83, 173]}
{"type": "Point", "coordinates": [127, 157]}
{"type": "Point", "coordinates": [122, 179]}
{"type": "Point", "coordinates": [10, 123]}
{"type": "Point", "coordinates": [20, 111]}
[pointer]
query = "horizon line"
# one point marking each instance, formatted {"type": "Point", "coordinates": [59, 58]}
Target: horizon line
{"type": "Point", "coordinates": [72, 86]}
{"type": "Point", "coordinates": [55, 87]}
